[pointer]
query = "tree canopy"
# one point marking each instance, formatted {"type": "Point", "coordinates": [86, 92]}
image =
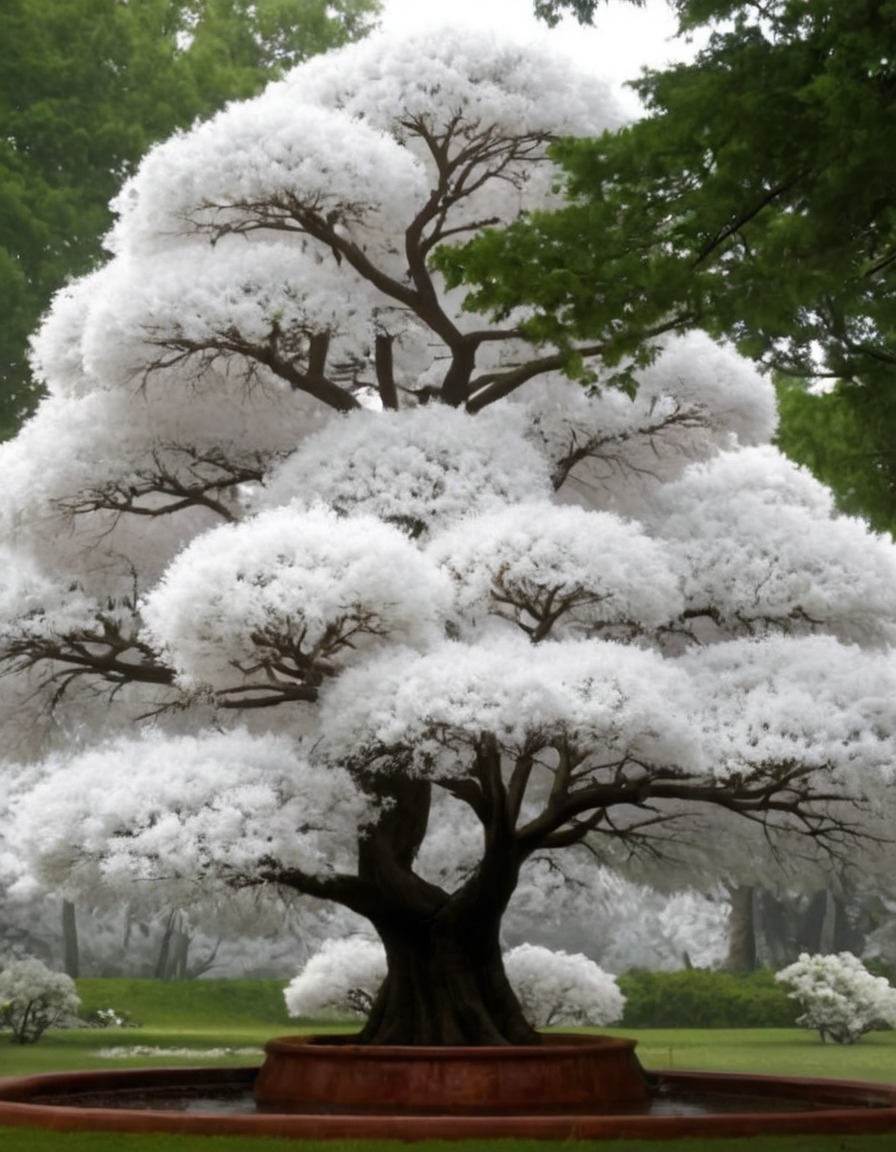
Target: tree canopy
{"type": "Point", "coordinates": [85, 87]}
{"type": "Point", "coordinates": [315, 583]}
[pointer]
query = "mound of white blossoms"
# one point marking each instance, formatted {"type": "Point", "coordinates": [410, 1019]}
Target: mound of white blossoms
{"type": "Point", "coordinates": [342, 979]}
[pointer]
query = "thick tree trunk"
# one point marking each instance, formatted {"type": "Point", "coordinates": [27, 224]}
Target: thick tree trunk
{"type": "Point", "coordinates": [171, 963]}
{"type": "Point", "coordinates": [446, 983]}
{"type": "Point", "coordinates": [446, 986]}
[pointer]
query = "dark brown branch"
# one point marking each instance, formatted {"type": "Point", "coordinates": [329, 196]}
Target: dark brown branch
{"type": "Point", "coordinates": [191, 491]}
{"type": "Point", "coordinates": [744, 218]}
{"type": "Point", "coordinates": [318, 348]}
{"type": "Point", "coordinates": [101, 654]}
{"type": "Point", "coordinates": [492, 386]}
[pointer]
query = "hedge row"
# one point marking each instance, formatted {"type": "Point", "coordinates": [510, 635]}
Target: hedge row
{"type": "Point", "coordinates": [700, 998]}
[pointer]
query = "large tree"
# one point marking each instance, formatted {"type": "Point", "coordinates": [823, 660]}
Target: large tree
{"type": "Point", "coordinates": [85, 87]}
{"type": "Point", "coordinates": [404, 613]}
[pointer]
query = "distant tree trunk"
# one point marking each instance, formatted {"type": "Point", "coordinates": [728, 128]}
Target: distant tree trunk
{"type": "Point", "coordinates": [828, 926]}
{"type": "Point", "coordinates": [172, 959]}
{"type": "Point", "coordinates": [742, 930]}
{"type": "Point", "coordinates": [827, 929]}
{"type": "Point", "coordinates": [179, 954]}
{"type": "Point", "coordinates": [71, 959]}
{"type": "Point", "coordinates": [164, 948]}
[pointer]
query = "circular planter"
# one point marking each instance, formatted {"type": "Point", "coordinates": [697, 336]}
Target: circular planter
{"type": "Point", "coordinates": [562, 1074]}
{"type": "Point", "coordinates": [140, 1100]}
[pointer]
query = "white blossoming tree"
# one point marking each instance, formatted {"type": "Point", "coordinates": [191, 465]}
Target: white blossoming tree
{"type": "Point", "coordinates": [316, 583]}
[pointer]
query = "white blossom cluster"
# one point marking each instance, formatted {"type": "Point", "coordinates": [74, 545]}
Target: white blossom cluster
{"type": "Point", "coordinates": [339, 981]}
{"type": "Point", "coordinates": [562, 988]}
{"type": "Point", "coordinates": [553, 987]}
{"type": "Point", "coordinates": [840, 998]}
{"type": "Point", "coordinates": [186, 810]}
{"type": "Point", "coordinates": [33, 998]}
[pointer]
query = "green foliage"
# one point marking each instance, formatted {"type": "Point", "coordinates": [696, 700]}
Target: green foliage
{"type": "Point", "coordinates": [845, 437]}
{"type": "Point", "coordinates": [552, 11]}
{"type": "Point", "coordinates": [85, 87]}
{"type": "Point", "coordinates": [29, 1140]}
{"type": "Point", "coordinates": [700, 998]}
{"type": "Point", "coordinates": [756, 199]}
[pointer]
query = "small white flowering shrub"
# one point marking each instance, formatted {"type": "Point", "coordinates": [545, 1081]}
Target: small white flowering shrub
{"type": "Point", "coordinates": [562, 988]}
{"type": "Point", "coordinates": [342, 979]}
{"type": "Point", "coordinates": [839, 996]}
{"type": "Point", "coordinates": [33, 998]}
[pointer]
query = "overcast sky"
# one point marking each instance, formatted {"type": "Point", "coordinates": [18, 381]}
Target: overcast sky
{"type": "Point", "coordinates": [623, 40]}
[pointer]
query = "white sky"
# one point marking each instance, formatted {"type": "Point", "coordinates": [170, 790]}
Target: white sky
{"type": "Point", "coordinates": [624, 37]}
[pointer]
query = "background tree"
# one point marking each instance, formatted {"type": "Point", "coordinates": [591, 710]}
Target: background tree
{"type": "Point", "coordinates": [756, 199]}
{"type": "Point", "coordinates": [85, 87]}
{"type": "Point", "coordinates": [319, 585]}
{"type": "Point", "coordinates": [845, 436]}
{"type": "Point", "coordinates": [552, 11]}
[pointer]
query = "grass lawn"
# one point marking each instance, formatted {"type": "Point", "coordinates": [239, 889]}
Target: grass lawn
{"type": "Point", "coordinates": [30, 1140]}
{"type": "Point", "coordinates": [773, 1051]}
{"type": "Point", "coordinates": [205, 1015]}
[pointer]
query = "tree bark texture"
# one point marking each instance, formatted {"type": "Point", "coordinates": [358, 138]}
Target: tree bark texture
{"type": "Point", "coordinates": [446, 985]}
{"type": "Point", "coordinates": [71, 961]}
{"type": "Point", "coordinates": [742, 930]}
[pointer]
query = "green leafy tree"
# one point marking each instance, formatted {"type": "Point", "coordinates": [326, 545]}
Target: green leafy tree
{"type": "Point", "coordinates": [757, 198]}
{"type": "Point", "coordinates": [846, 437]}
{"type": "Point", "coordinates": [85, 87]}
{"type": "Point", "coordinates": [552, 11]}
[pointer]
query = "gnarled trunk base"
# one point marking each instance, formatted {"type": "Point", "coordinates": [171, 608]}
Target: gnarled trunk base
{"type": "Point", "coordinates": [445, 986]}
{"type": "Point", "coordinates": [557, 1075]}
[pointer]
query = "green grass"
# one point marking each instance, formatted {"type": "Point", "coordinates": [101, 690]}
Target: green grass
{"type": "Point", "coordinates": [776, 1051]}
{"type": "Point", "coordinates": [190, 1004]}
{"type": "Point", "coordinates": [195, 1014]}
{"type": "Point", "coordinates": [205, 1014]}
{"type": "Point", "coordinates": [29, 1140]}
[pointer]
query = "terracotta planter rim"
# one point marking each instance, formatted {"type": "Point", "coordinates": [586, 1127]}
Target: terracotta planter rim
{"type": "Point", "coordinates": [347, 1045]}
